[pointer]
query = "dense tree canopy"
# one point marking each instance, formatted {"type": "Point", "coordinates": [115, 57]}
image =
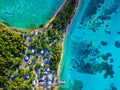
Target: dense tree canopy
{"type": "Point", "coordinates": [11, 50]}
{"type": "Point", "coordinates": [12, 47]}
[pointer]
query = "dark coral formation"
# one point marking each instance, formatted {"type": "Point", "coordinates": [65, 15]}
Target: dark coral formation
{"type": "Point", "coordinates": [118, 33]}
{"type": "Point", "coordinates": [104, 43]}
{"type": "Point", "coordinates": [109, 54]}
{"type": "Point", "coordinates": [104, 17]}
{"type": "Point", "coordinates": [92, 8]}
{"type": "Point", "coordinates": [87, 63]}
{"type": "Point", "coordinates": [93, 68]}
{"type": "Point", "coordinates": [109, 71]}
{"type": "Point", "coordinates": [85, 49]}
{"type": "Point", "coordinates": [106, 56]}
{"type": "Point", "coordinates": [108, 32]}
{"type": "Point", "coordinates": [117, 44]}
{"type": "Point", "coordinates": [112, 86]}
{"type": "Point", "coordinates": [111, 60]}
{"type": "Point", "coordinates": [96, 16]}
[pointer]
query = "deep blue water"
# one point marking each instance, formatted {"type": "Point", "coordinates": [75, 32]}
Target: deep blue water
{"type": "Point", "coordinates": [92, 47]}
{"type": "Point", "coordinates": [26, 14]}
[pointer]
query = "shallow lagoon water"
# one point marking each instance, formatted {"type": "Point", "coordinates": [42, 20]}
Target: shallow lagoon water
{"type": "Point", "coordinates": [85, 47]}
{"type": "Point", "coordinates": [25, 14]}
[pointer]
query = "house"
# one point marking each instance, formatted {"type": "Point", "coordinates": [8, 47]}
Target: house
{"type": "Point", "coordinates": [48, 87]}
{"type": "Point", "coordinates": [45, 72]}
{"type": "Point", "coordinates": [11, 76]}
{"type": "Point", "coordinates": [26, 58]}
{"type": "Point", "coordinates": [34, 83]}
{"type": "Point", "coordinates": [48, 69]}
{"type": "Point", "coordinates": [36, 32]}
{"type": "Point", "coordinates": [42, 52]}
{"type": "Point", "coordinates": [53, 73]}
{"type": "Point", "coordinates": [46, 52]}
{"type": "Point", "coordinates": [33, 51]}
{"type": "Point", "coordinates": [27, 76]}
{"type": "Point", "coordinates": [41, 79]}
{"type": "Point", "coordinates": [28, 39]}
{"type": "Point", "coordinates": [50, 77]}
{"type": "Point", "coordinates": [51, 25]}
{"type": "Point", "coordinates": [51, 52]}
{"type": "Point", "coordinates": [50, 44]}
{"type": "Point", "coordinates": [49, 83]}
{"type": "Point", "coordinates": [47, 61]}
{"type": "Point", "coordinates": [55, 40]}
{"type": "Point", "coordinates": [42, 64]}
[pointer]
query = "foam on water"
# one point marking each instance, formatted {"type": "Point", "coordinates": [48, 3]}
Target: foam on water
{"type": "Point", "coordinates": [83, 45]}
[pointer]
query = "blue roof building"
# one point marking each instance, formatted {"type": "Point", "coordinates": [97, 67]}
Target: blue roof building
{"type": "Point", "coordinates": [47, 61]}
{"type": "Point", "coordinates": [26, 58]}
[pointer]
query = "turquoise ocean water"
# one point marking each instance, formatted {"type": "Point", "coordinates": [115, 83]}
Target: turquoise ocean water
{"type": "Point", "coordinates": [25, 14]}
{"type": "Point", "coordinates": [92, 47]}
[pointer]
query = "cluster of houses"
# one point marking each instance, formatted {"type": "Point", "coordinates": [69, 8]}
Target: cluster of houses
{"type": "Point", "coordinates": [48, 77]}
{"type": "Point", "coordinates": [44, 78]}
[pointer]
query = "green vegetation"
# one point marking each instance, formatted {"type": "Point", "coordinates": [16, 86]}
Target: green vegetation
{"type": "Point", "coordinates": [56, 57]}
{"type": "Point", "coordinates": [12, 47]}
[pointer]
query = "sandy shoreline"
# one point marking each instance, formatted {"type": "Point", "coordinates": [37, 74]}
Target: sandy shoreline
{"type": "Point", "coordinates": [62, 44]}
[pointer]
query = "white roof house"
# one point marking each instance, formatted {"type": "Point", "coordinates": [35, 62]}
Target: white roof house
{"type": "Point", "coordinates": [33, 83]}
{"type": "Point", "coordinates": [41, 79]}
{"type": "Point", "coordinates": [48, 69]}
{"type": "Point", "coordinates": [48, 87]}
{"type": "Point", "coordinates": [42, 64]}
{"type": "Point", "coordinates": [28, 39]}
{"type": "Point", "coordinates": [50, 77]}
{"type": "Point", "coordinates": [42, 52]}
{"type": "Point", "coordinates": [11, 76]}
{"type": "Point", "coordinates": [49, 83]}
{"type": "Point", "coordinates": [45, 72]}
{"type": "Point", "coordinates": [26, 57]}
{"type": "Point", "coordinates": [33, 51]}
{"type": "Point", "coordinates": [36, 32]}
{"type": "Point", "coordinates": [28, 76]}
